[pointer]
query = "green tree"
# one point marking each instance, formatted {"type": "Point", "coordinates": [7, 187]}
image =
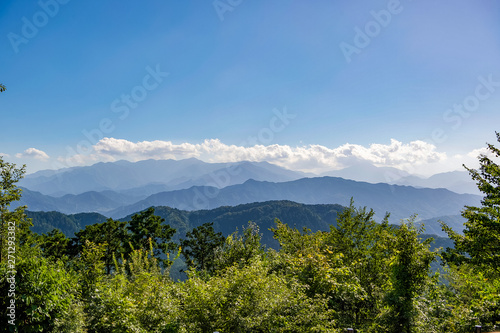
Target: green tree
{"type": "Point", "coordinates": [239, 249]}
{"type": "Point", "coordinates": [250, 299]}
{"type": "Point", "coordinates": [2, 88]}
{"type": "Point", "coordinates": [46, 295]}
{"type": "Point", "coordinates": [148, 230]}
{"type": "Point", "coordinates": [55, 244]}
{"type": "Point", "coordinates": [200, 245]}
{"type": "Point", "coordinates": [90, 267]}
{"type": "Point", "coordinates": [480, 243]}
{"type": "Point", "coordinates": [365, 248]}
{"type": "Point", "coordinates": [14, 224]}
{"type": "Point", "coordinates": [136, 298]}
{"type": "Point", "coordinates": [471, 299]}
{"type": "Point", "coordinates": [474, 262]}
{"type": "Point", "coordinates": [112, 234]}
{"type": "Point", "coordinates": [305, 256]}
{"type": "Point", "coordinates": [410, 275]}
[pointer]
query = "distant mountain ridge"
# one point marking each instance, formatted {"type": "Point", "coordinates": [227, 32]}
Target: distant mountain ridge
{"type": "Point", "coordinates": [100, 202]}
{"type": "Point", "coordinates": [400, 201]}
{"type": "Point", "coordinates": [159, 175]}
{"type": "Point", "coordinates": [121, 188]}
{"type": "Point", "coordinates": [225, 219]}
{"type": "Point", "coordinates": [148, 177]}
{"type": "Point", "coordinates": [456, 181]}
{"type": "Point", "coordinates": [432, 226]}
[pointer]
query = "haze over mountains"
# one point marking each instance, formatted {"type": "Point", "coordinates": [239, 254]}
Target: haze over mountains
{"type": "Point", "coordinates": [121, 188]}
{"type": "Point", "coordinates": [456, 181]}
{"type": "Point", "coordinates": [147, 177]}
{"type": "Point", "coordinates": [152, 176]}
{"type": "Point", "coordinates": [400, 201]}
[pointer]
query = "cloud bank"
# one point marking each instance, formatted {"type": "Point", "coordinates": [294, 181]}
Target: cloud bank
{"type": "Point", "coordinates": [415, 157]}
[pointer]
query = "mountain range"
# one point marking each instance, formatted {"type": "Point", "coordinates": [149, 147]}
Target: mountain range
{"type": "Point", "coordinates": [400, 201]}
{"type": "Point", "coordinates": [456, 181]}
{"type": "Point", "coordinates": [143, 178]}
{"type": "Point", "coordinates": [121, 188]}
{"type": "Point", "coordinates": [226, 219]}
{"type": "Point", "coordinates": [151, 176]}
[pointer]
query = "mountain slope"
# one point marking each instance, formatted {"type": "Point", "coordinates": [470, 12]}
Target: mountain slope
{"type": "Point", "coordinates": [100, 202]}
{"type": "Point", "coordinates": [400, 201]}
{"type": "Point", "coordinates": [163, 174]}
{"type": "Point", "coordinates": [456, 181]}
{"type": "Point", "coordinates": [44, 222]}
{"type": "Point", "coordinates": [226, 219]}
{"type": "Point", "coordinates": [367, 172]}
{"type": "Point", "coordinates": [432, 226]}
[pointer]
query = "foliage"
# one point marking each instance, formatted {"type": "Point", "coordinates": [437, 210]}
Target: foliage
{"type": "Point", "coordinates": [305, 256]}
{"type": "Point", "coordinates": [250, 299]}
{"type": "Point", "coordinates": [480, 243]}
{"type": "Point", "coordinates": [467, 299]}
{"type": "Point", "coordinates": [10, 175]}
{"type": "Point", "coordinates": [91, 268]}
{"type": "Point", "coordinates": [13, 224]}
{"type": "Point", "coordinates": [46, 297]}
{"type": "Point", "coordinates": [136, 298]}
{"type": "Point", "coordinates": [111, 234]}
{"type": "Point", "coordinates": [365, 248]}
{"type": "Point", "coordinates": [474, 273]}
{"type": "Point", "coordinates": [147, 228]}
{"type": "Point", "coordinates": [2, 88]}
{"type": "Point", "coordinates": [239, 249]}
{"type": "Point", "coordinates": [200, 245]}
{"type": "Point", "coordinates": [54, 244]}
{"type": "Point", "coordinates": [410, 275]}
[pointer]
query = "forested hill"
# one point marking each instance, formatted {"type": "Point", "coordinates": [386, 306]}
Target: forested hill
{"type": "Point", "coordinates": [44, 222]}
{"type": "Point", "coordinates": [226, 219]}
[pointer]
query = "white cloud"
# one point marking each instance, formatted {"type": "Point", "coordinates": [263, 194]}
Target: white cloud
{"type": "Point", "coordinates": [414, 156]}
{"type": "Point", "coordinates": [4, 155]}
{"type": "Point", "coordinates": [471, 159]}
{"type": "Point", "coordinates": [481, 151]}
{"type": "Point", "coordinates": [33, 153]}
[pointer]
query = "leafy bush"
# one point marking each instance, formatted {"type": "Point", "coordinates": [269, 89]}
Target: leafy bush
{"type": "Point", "coordinates": [250, 299]}
{"type": "Point", "coordinates": [46, 295]}
{"type": "Point", "coordinates": [137, 298]}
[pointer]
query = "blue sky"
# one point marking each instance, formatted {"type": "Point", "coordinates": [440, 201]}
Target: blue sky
{"type": "Point", "coordinates": [253, 80]}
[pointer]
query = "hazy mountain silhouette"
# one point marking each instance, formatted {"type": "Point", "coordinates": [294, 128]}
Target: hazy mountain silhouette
{"type": "Point", "coordinates": [151, 176]}
{"type": "Point", "coordinates": [400, 201]}
{"type": "Point", "coordinates": [456, 181]}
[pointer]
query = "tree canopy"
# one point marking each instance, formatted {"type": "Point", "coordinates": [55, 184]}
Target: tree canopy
{"type": "Point", "coordinates": [200, 246]}
{"type": "Point", "coordinates": [149, 230]}
{"type": "Point", "coordinates": [480, 243]}
{"type": "Point", "coordinates": [12, 222]}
